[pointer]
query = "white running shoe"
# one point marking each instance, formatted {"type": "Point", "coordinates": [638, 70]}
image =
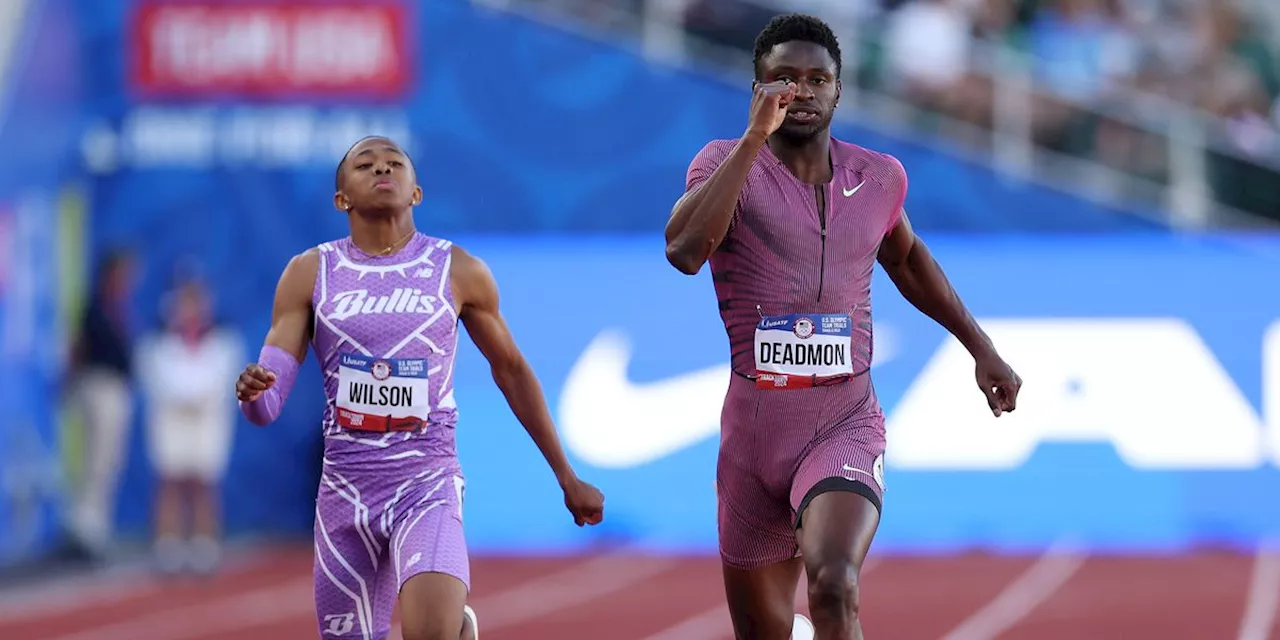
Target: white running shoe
{"type": "Point", "coordinates": [475, 626]}
{"type": "Point", "coordinates": [803, 629]}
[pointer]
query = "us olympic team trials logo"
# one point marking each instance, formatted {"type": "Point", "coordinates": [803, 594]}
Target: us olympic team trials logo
{"type": "Point", "coordinates": [804, 328]}
{"type": "Point", "coordinates": [381, 369]}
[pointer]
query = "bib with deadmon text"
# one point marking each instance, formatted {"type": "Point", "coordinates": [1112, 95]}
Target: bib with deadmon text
{"type": "Point", "coordinates": [379, 394]}
{"type": "Point", "coordinates": [802, 350]}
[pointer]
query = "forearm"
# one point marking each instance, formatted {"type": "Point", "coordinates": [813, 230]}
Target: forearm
{"type": "Point", "coordinates": [701, 219]}
{"type": "Point", "coordinates": [524, 395]}
{"type": "Point", "coordinates": [923, 284]}
{"type": "Point", "coordinates": [264, 409]}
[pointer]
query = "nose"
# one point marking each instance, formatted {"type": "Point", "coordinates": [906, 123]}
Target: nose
{"type": "Point", "coordinates": [804, 91]}
{"type": "Point", "coordinates": [382, 168]}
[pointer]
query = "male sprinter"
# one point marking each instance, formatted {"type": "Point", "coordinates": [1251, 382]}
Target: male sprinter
{"type": "Point", "coordinates": [381, 308]}
{"type": "Point", "coordinates": [792, 222]}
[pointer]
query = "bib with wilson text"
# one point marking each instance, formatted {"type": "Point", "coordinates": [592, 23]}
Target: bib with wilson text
{"type": "Point", "coordinates": [376, 394]}
{"type": "Point", "coordinates": [802, 349]}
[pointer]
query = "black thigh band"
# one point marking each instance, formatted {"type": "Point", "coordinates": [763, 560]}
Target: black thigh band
{"type": "Point", "coordinates": [837, 483]}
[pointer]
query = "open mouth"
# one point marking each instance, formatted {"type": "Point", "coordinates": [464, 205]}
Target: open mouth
{"type": "Point", "coordinates": [802, 116]}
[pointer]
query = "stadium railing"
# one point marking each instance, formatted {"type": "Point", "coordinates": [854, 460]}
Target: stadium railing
{"type": "Point", "coordinates": [1190, 144]}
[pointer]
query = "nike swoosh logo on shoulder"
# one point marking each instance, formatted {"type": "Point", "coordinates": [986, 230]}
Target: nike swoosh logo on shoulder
{"type": "Point", "coordinates": [611, 422]}
{"type": "Point", "coordinates": [849, 192]}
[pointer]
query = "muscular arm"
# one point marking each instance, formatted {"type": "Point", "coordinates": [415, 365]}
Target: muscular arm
{"type": "Point", "coordinates": [921, 281]}
{"type": "Point", "coordinates": [700, 219]}
{"type": "Point", "coordinates": [476, 295]}
{"type": "Point", "coordinates": [285, 345]}
{"type": "Point", "coordinates": [291, 311]}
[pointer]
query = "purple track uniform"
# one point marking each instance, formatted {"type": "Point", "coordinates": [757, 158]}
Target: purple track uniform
{"type": "Point", "coordinates": [389, 504]}
{"type": "Point", "coordinates": [793, 278]}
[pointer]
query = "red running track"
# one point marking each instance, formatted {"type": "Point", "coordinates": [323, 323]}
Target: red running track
{"type": "Point", "coordinates": [1057, 596]}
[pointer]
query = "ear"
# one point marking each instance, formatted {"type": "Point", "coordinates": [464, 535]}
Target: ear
{"type": "Point", "coordinates": [341, 202]}
{"type": "Point", "coordinates": [417, 195]}
{"type": "Point", "coordinates": [839, 88]}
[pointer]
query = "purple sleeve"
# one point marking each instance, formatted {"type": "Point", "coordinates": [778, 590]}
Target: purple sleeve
{"type": "Point", "coordinates": [705, 163]}
{"type": "Point", "coordinates": [900, 173]}
{"type": "Point", "coordinates": [264, 409]}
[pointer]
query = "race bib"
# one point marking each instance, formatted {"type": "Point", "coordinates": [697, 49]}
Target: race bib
{"type": "Point", "coordinates": [802, 350]}
{"type": "Point", "coordinates": [382, 395]}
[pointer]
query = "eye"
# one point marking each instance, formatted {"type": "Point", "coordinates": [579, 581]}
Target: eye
{"type": "Point", "coordinates": [364, 165]}
{"type": "Point", "coordinates": [396, 163]}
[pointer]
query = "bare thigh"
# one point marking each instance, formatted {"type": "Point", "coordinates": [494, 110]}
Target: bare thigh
{"type": "Point", "coordinates": [431, 607]}
{"type": "Point", "coordinates": [762, 601]}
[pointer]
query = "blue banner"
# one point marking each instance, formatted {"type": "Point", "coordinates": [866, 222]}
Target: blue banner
{"type": "Point", "coordinates": [514, 126]}
{"type": "Point", "coordinates": [517, 128]}
{"type": "Point", "coordinates": [1150, 416]}
{"type": "Point", "coordinates": [39, 127]}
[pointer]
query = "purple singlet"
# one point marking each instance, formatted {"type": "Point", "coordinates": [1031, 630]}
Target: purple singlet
{"type": "Point", "coordinates": [390, 499]}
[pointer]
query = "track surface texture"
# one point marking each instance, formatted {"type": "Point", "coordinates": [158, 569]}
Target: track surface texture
{"type": "Point", "coordinates": [1062, 594]}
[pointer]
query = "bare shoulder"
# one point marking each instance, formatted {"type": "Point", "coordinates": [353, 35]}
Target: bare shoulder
{"type": "Point", "coordinates": [308, 260]}
{"type": "Point", "coordinates": [465, 264]}
{"type": "Point", "coordinates": [300, 274]}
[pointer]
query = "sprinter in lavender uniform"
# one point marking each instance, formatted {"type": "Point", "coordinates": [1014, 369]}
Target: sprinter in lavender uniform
{"type": "Point", "coordinates": [381, 308]}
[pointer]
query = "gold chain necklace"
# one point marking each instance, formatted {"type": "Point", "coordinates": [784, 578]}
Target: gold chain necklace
{"type": "Point", "coordinates": [395, 244]}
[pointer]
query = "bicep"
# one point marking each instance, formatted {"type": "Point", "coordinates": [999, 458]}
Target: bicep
{"type": "Point", "coordinates": [489, 332]}
{"type": "Point", "coordinates": [291, 311]}
{"type": "Point", "coordinates": [480, 313]}
{"type": "Point", "coordinates": [897, 244]}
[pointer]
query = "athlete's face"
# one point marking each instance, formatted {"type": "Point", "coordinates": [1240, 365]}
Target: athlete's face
{"type": "Point", "coordinates": [810, 67]}
{"type": "Point", "coordinates": [377, 176]}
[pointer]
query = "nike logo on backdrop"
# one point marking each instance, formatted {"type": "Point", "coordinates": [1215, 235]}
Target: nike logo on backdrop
{"type": "Point", "coordinates": [849, 192]}
{"type": "Point", "coordinates": [611, 422]}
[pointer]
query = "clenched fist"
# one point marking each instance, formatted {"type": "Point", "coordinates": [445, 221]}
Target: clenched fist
{"type": "Point", "coordinates": [584, 501]}
{"type": "Point", "coordinates": [253, 381]}
{"type": "Point", "coordinates": [769, 104]}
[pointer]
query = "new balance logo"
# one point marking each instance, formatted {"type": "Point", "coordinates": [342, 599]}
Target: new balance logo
{"type": "Point", "coordinates": [424, 272]}
{"type": "Point", "coordinates": [359, 302]}
{"type": "Point", "coordinates": [340, 624]}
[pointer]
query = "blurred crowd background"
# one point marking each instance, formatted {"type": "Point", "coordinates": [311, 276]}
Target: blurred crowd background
{"type": "Point", "coordinates": [1100, 177]}
{"type": "Point", "coordinates": [1170, 100]}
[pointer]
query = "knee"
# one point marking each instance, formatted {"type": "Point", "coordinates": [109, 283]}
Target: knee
{"type": "Point", "coordinates": [431, 628]}
{"type": "Point", "coordinates": [429, 632]}
{"type": "Point", "coordinates": [833, 590]}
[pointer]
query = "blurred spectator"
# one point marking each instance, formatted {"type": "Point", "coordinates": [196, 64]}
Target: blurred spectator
{"type": "Point", "coordinates": [928, 46]}
{"type": "Point", "coordinates": [1101, 72]}
{"type": "Point", "coordinates": [101, 369]}
{"type": "Point", "coordinates": [1239, 82]}
{"type": "Point", "coordinates": [1083, 51]}
{"type": "Point", "coordinates": [187, 372]}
